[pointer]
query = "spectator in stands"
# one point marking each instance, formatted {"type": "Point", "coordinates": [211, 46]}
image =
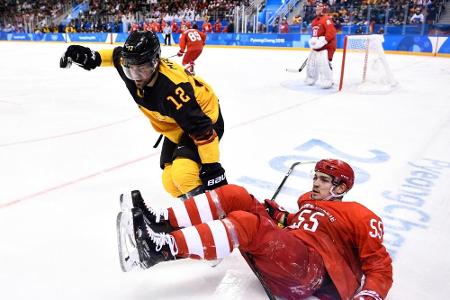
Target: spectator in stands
{"type": "Point", "coordinates": [175, 28]}
{"type": "Point", "coordinates": [206, 27]}
{"type": "Point", "coordinates": [417, 17]}
{"type": "Point", "coordinates": [230, 27]}
{"type": "Point", "coordinates": [297, 20]}
{"type": "Point", "coordinates": [276, 25]}
{"type": "Point", "coordinates": [218, 26]}
{"type": "Point", "coordinates": [431, 12]}
{"type": "Point", "coordinates": [284, 26]}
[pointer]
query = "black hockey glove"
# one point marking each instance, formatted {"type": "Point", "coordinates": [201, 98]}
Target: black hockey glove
{"type": "Point", "coordinates": [212, 176]}
{"type": "Point", "coordinates": [82, 56]}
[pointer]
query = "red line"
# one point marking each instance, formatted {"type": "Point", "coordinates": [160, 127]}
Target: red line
{"type": "Point", "coordinates": [72, 182]}
{"type": "Point", "coordinates": [69, 133]}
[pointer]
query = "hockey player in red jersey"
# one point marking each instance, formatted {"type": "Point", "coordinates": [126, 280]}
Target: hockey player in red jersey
{"type": "Point", "coordinates": [191, 45]}
{"type": "Point", "coordinates": [323, 46]}
{"type": "Point", "coordinates": [330, 248]}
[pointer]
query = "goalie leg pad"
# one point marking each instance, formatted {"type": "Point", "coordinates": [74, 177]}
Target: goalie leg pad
{"type": "Point", "coordinates": [325, 71]}
{"type": "Point", "coordinates": [311, 69]}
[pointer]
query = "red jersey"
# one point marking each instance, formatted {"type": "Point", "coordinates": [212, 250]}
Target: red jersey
{"type": "Point", "coordinates": [134, 27]}
{"type": "Point", "coordinates": [192, 39]}
{"type": "Point", "coordinates": [155, 27]}
{"type": "Point", "coordinates": [341, 239]}
{"type": "Point", "coordinates": [349, 238]}
{"type": "Point", "coordinates": [323, 26]}
{"type": "Point", "coordinates": [186, 23]}
{"type": "Point", "coordinates": [175, 28]}
{"type": "Point", "coordinates": [284, 27]}
{"type": "Point", "coordinates": [206, 27]}
{"type": "Point", "coordinates": [218, 27]}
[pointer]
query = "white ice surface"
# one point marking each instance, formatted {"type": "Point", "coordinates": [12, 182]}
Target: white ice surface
{"type": "Point", "coordinates": [71, 141]}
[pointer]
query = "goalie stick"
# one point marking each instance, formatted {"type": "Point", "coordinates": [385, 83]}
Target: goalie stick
{"type": "Point", "coordinates": [291, 70]}
{"type": "Point", "coordinates": [247, 256]}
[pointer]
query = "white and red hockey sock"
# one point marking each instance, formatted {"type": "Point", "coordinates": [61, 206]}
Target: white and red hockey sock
{"type": "Point", "coordinates": [199, 209]}
{"type": "Point", "coordinates": [210, 241]}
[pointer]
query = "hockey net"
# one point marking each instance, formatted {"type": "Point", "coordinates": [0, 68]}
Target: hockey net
{"type": "Point", "coordinates": [364, 65]}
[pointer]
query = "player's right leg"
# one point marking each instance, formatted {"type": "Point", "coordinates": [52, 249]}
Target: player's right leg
{"type": "Point", "coordinates": [158, 220]}
{"type": "Point", "coordinates": [202, 208]}
{"type": "Point", "coordinates": [325, 70]}
{"type": "Point", "coordinates": [312, 72]}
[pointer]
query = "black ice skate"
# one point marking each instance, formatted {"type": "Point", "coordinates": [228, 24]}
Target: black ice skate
{"type": "Point", "coordinates": [139, 245]}
{"type": "Point", "coordinates": [158, 221]}
{"type": "Point", "coordinates": [153, 247]}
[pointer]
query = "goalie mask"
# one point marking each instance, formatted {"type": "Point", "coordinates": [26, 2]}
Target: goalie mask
{"type": "Point", "coordinates": [321, 8]}
{"type": "Point", "coordinates": [140, 56]}
{"type": "Point", "coordinates": [339, 170]}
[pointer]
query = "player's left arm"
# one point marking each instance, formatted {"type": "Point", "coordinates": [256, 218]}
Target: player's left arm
{"type": "Point", "coordinates": [203, 36]}
{"type": "Point", "coordinates": [330, 30]}
{"type": "Point", "coordinates": [182, 42]}
{"type": "Point", "coordinates": [194, 121]}
{"type": "Point", "coordinates": [107, 57]}
{"type": "Point", "coordinates": [376, 263]}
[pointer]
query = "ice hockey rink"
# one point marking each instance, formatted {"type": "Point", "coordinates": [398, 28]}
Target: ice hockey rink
{"type": "Point", "coordinates": [72, 141]}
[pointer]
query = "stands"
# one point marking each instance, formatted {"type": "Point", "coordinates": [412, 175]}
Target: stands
{"type": "Point", "coordinates": [294, 16]}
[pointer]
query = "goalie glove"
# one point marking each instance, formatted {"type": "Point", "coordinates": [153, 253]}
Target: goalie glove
{"type": "Point", "coordinates": [312, 42]}
{"type": "Point", "coordinates": [84, 57]}
{"type": "Point", "coordinates": [276, 212]}
{"type": "Point", "coordinates": [319, 43]}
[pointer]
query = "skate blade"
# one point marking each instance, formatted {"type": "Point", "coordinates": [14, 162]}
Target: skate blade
{"type": "Point", "coordinates": [128, 253]}
{"type": "Point", "coordinates": [214, 263]}
{"type": "Point", "coordinates": [126, 203]}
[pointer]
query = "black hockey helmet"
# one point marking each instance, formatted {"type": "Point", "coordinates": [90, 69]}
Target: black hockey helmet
{"type": "Point", "coordinates": [141, 47]}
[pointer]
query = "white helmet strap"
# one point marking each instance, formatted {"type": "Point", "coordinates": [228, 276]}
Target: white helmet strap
{"type": "Point", "coordinates": [333, 195]}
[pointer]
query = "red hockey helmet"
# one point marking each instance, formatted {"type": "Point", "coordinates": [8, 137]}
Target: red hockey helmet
{"type": "Point", "coordinates": [339, 170]}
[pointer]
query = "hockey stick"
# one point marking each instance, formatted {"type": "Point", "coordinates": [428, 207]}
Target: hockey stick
{"type": "Point", "coordinates": [288, 173]}
{"type": "Point", "coordinates": [247, 256]}
{"type": "Point", "coordinates": [299, 69]}
{"type": "Point", "coordinates": [175, 55]}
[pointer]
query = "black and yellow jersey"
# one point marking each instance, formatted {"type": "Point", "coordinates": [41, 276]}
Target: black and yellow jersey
{"type": "Point", "coordinates": [175, 103]}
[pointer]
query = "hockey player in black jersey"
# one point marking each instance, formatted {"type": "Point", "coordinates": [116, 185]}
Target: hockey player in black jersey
{"type": "Point", "coordinates": [182, 107]}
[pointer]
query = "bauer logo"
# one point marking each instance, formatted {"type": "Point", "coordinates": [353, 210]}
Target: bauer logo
{"type": "Point", "coordinates": [216, 180]}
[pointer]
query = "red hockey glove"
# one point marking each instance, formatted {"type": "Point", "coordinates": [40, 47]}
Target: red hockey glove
{"type": "Point", "coordinates": [276, 212]}
{"type": "Point", "coordinates": [180, 53]}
